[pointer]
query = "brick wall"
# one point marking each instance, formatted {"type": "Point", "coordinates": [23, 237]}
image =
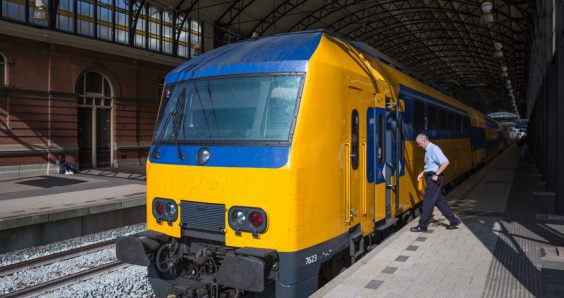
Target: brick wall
{"type": "Point", "coordinates": [39, 107]}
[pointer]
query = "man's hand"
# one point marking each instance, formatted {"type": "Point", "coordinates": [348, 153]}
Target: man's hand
{"type": "Point", "coordinates": [420, 177]}
{"type": "Point", "coordinates": [435, 177]}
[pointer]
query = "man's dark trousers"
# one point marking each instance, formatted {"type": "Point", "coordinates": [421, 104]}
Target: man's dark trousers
{"type": "Point", "coordinates": [432, 198]}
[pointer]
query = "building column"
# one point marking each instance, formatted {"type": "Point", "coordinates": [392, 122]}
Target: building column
{"type": "Point", "coordinates": [559, 82]}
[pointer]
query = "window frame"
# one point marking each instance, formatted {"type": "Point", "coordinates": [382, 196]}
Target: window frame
{"type": "Point", "coordinates": [255, 143]}
{"type": "Point", "coordinates": [429, 107]}
{"type": "Point", "coordinates": [413, 111]}
{"type": "Point", "coordinates": [442, 120]}
{"type": "Point", "coordinates": [450, 120]}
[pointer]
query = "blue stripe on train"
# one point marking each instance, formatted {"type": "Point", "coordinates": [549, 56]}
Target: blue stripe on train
{"type": "Point", "coordinates": [239, 157]}
{"type": "Point", "coordinates": [282, 53]}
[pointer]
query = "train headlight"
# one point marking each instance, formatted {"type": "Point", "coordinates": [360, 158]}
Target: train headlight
{"type": "Point", "coordinates": [171, 209]}
{"type": "Point", "coordinates": [256, 219]}
{"type": "Point", "coordinates": [203, 156]}
{"type": "Point", "coordinates": [159, 207]}
{"type": "Point", "coordinates": [238, 218]}
{"type": "Point", "coordinates": [247, 219]}
{"type": "Point", "coordinates": [165, 210]}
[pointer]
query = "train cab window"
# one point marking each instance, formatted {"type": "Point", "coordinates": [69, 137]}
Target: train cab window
{"type": "Point", "coordinates": [380, 139]}
{"type": "Point", "coordinates": [418, 114]}
{"type": "Point", "coordinates": [442, 119]}
{"type": "Point", "coordinates": [450, 121]}
{"type": "Point", "coordinates": [458, 124]}
{"type": "Point", "coordinates": [354, 139]}
{"type": "Point", "coordinates": [401, 140]}
{"type": "Point", "coordinates": [431, 117]}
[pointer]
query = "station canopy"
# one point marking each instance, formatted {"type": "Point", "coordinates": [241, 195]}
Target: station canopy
{"type": "Point", "coordinates": [443, 41]}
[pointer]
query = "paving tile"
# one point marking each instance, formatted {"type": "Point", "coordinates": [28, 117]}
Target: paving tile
{"type": "Point", "coordinates": [412, 281]}
{"type": "Point", "coordinates": [448, 294]}
{"type": "Point", "coordinates": [356, 281]}
{"type": "Point", "coordinates": [412, 248]}
{"type": "Point", "coordinates": [374, 284]}
{"type": "Point", "coordinates": [389, 270]}
{"type": "Point", "coordinates": [427, 290]}
{"type": "Point", "coordinates": [402, 258]}
{"type": "Point", "coordinates": [369, 293]}
{"type": "Point", "coordinates": [421, 239]}
{"type": "Point", "coordinates": [409, 272]}
{"type": "Point", "coordinates": [344, 290]}
{"type": "Point", "coordinates": [397, 295]}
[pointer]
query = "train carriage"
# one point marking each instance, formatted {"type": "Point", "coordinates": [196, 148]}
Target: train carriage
{"type": "Point", "coordinates": [277, 161]}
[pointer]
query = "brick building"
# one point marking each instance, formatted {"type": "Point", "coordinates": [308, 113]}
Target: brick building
{"type": "Point", "coordinates": [92, 100]}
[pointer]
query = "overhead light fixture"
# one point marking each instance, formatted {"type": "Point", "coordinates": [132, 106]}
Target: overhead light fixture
{"type": "Point", "coordinates": [487, 16]}
{"type": "Point", "coordinates": [498, 53]}
{"type": "Point", "coordinates": [41, 14]}
{"type": "Point", "coordinates": [504, 72]}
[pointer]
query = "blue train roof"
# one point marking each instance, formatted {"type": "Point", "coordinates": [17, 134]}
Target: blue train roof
{"type": "Point", "coordinates": [288, 52]}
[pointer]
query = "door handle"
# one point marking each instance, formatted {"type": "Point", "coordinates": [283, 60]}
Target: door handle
{"type": "Point", "coordinates": [347, 182]}
{"type": "Point", "coordinates": [389, 164]}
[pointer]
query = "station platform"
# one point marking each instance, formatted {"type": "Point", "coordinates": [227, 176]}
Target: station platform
{"type": "Point", "coordinates": [507, 245]}
{"type": "Point", "coordinates": [38, 210]}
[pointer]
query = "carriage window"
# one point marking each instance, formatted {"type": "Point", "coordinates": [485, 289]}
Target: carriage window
{"type": "Point", "coordinates": [354, 139]}
{"type": "Point", "coordinates": [450, 121]}
{"type": "Point", "coordinates": [458, 125]}
{"type": "Point", "coordinates": [418, 114]}
{"type": "Point", "coordinates": [431, 117]}
{"type": "Point", "coordinates": [401, 141]}
{"type": "Point", "coordinates": [442, 119]}
{"type": "Point", "coordinates": [380, 139]}
{"type": "Point", "coordinates": [465, 121]}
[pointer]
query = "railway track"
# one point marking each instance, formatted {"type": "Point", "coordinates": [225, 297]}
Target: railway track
{"type": "Point", "coordinates": [65, 280]}
{"type": "Point", "coordinates": [50, 259]}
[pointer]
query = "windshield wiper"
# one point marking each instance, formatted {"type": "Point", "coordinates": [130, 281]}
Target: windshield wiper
{"type": "Point", "coordinates": [178, 110]}
{"type": "Point", "coordinates": [177, 121]}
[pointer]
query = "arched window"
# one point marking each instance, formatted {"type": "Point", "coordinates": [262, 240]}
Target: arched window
{"type": "Point", "coordinates": [161, 84]}
{"type": "Point", "coordinates": [94, 89]}
{"type": "Point", "coordinates": [3, 70]}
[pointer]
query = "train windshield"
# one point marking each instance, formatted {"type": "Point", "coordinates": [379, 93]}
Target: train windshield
{"type": "Point", "coordinates": [229, 109]}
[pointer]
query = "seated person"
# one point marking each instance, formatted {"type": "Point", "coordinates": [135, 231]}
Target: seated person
{"type": "Point", "coordinates": [64, 167]}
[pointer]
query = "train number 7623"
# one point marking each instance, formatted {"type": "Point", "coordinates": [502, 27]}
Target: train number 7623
{"type": "Point", "coordinates": [311, 259]}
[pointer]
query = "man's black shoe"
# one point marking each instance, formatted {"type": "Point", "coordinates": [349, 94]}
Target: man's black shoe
{"type": "Point", "coordinates": [454, 225]}
{"type": "Point", "coordinates": [418, 229]}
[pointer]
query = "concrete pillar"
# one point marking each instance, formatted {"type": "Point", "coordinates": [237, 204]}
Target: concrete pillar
{"type": "Point", "coordinates": [552, 127]}
{"type": "Point", "coordinates": [559, 150]}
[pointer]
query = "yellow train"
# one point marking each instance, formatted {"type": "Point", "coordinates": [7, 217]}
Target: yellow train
{"type": "Point", "coordinates": [278, 160]}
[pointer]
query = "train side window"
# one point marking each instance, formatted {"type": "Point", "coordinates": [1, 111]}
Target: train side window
{"type": "Point", "coordinates": [465, 123]}
{"type": "Point", "coordinates": [431, 117]}
{"type": "Point", "coordinates": [418, 114]}
{"type": "Point", "coordinates": [450, 121]}
{"type": "Point", "coordinates": [354, 139]}
{"type": "Point", "coordinates": [458, 125]}
{"type": "Point", "coordinates": [380, 139]}
{"type": "Point", "coordinates": [442, 119]}
{"type": "Point", "coordinates": [401, 140]}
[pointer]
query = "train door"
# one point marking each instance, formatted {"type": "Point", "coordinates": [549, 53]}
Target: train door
{"type": "Point", "coordinates": [392, 167]}
{"type": "Point", "coordinates": [353, 149]}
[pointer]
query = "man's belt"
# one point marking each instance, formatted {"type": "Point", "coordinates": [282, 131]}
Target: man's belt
{"type": "Point", "coordinates": [432, 174]}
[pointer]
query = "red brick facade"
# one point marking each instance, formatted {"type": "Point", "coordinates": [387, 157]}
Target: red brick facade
{"type": "Point", "coordinates": [39, 106]}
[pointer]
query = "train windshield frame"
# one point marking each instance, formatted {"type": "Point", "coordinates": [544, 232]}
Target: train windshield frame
{"type": "Point", "coordinates": [250, 110]}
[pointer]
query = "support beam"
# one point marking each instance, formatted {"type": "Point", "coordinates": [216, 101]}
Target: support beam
{"type": "Point", "coordinates": [559, 150]}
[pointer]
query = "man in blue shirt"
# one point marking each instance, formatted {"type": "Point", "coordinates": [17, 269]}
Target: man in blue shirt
{"type": "Point", "coordinates": [435, 164]}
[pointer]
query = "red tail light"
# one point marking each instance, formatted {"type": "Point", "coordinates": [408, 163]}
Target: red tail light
{"type": "Point", "coordinates": [256, 219]}
{"type": "Point", "coordinates": [159, 207]}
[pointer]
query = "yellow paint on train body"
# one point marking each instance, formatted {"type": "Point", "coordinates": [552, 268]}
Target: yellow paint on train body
{"type": "Point", "coordinates": [306, 200]}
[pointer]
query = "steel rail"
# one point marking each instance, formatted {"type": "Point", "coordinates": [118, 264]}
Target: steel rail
{"type": "Point", "coordinates": [66, 280]}
{"type": "Point", "coordinates": [50, 259]}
